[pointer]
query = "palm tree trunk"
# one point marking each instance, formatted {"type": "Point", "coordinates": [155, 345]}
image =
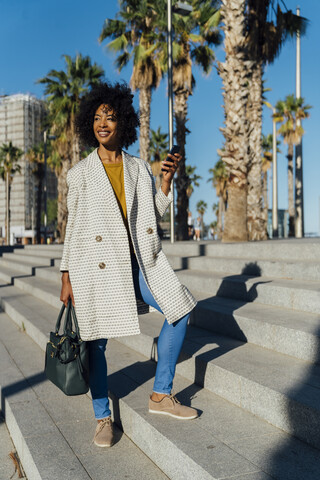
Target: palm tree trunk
{"type": "Point", "coordinates": [237, 210]}
{"type": "Point", "coordinates": [235, 75]}
{"type": "Point", "coordinates": [144, 105]}
{"type": "Point", "coordinates": [39, 204]}
{"type": "Point", "coordinates": [291, 209]}
{"type": "Point", "coordinates": [75, 149]}
{"type": "Point", "coordinates": [257, 226]}
{"type": "Point", "coordinates": [220, 214]}
{"type": "Point", "coordinates": [62, 201]}
{"type": "Point", "coordinates": [181, 181]}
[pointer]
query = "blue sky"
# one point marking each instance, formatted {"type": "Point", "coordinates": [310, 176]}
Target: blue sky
{"type": "Point", "coordinates": [34, 35]}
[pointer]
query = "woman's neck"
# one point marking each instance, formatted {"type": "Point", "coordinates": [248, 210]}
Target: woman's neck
{"type": "Point", "coordinates": [109, 155]}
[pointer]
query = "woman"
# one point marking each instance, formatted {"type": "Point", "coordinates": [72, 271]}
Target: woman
{"type": "Point", "coordinates": [197, 229]}
{"type": "Point", "coordinates": [113, 264]}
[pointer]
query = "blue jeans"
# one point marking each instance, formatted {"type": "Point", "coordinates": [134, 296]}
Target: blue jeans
{"type": "Point", "coordinates": [169, 345]}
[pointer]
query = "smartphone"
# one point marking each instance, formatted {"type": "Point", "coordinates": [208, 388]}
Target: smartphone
{"type": "Point", "coordinates": [174, 149]}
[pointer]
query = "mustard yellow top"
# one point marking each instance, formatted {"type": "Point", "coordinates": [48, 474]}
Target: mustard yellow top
{"type": "Point", "coordinates": [115, 175]}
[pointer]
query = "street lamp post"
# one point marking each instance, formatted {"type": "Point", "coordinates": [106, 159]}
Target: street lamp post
{"type": "Point", "coordinates": [170, 98]}
{"type": "Point", "coordinates": [45, 138]}
{"type": "Point", "coordinates": [182, 9]}
{"type": "Point", "coordinates": [299, 214]}
{"type": "Point", "coordinates": [275, 231]}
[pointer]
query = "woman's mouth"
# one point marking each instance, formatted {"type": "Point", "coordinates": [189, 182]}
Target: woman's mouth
{"type": "Point", "coordinates": [103, 134]}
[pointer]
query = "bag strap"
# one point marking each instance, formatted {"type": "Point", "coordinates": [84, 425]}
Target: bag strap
{"type": "Point", "coordinates": [60, 317]}
{"type": "Point", "coordinates": [71, 314]}
{"type": "Point", "coordinates": [75, 321]}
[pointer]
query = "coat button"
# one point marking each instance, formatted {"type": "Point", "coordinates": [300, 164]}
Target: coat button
{"type": "Point", "coordinates": [155, 255]}
{"type": "Point", "coordinates": [98, 238]}
{"type": "Point", "coordinates": [102, 265]}
{"type": "Point", "coordinates": [149, 230]}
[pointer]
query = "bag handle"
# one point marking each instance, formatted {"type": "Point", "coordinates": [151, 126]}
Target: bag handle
{"type": "Point", "coordinates": [70, 313]}
{"type": "Point", "coordinates": [59, 318]}
{"type": "Point", "coordinates": [68, 322]}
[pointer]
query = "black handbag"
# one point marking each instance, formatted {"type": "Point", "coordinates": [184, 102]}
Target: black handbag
{"type": "Point", "coordinates": [67, 359]}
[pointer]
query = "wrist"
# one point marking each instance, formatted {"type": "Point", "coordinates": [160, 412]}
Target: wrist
{"type": "Point", "coordinates": [65, 277]}
{"type": "Point", "coordinates": [165, 187]}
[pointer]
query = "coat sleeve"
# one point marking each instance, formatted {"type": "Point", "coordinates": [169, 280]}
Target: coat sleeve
{"type": "Point", "coordinates": [72, 203]}
{"type": "Point", "coordinates": [161, 200]}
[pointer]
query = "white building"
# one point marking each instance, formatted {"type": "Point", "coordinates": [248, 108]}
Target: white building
{"type": "Point", "coordinates": [21, 119]}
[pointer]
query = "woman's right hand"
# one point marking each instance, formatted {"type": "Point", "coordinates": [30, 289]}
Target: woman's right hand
{"type": "Point", "coordinates": [66, 289]}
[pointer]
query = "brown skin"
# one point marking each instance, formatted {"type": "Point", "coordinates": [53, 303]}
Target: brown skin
{"type": "Point", "coordinates": [109, 151]}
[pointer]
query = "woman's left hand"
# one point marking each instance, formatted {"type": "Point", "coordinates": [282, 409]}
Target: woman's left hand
{"type": "Point", "coordinates": [170, 167]}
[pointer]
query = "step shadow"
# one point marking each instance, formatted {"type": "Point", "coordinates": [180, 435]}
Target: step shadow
{"type": "Point", "coordinates": [17, 387]}
{"type": "Point", "coordinates": [304, 429]}
{"type": "Point", "coordinates": [197, 339]}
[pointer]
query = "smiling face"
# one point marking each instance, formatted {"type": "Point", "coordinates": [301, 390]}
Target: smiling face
{"type": "Point", "coordinates": [105, 126]}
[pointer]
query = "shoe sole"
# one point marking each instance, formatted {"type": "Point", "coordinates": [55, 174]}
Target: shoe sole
{"type": "Point", "coordinates": [171, 415]}
{"type": "Point", "coordinates": [103, 446]}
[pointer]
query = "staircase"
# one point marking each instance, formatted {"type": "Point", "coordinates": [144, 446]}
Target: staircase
{"type": "Point", "coordinates": [250, 364]}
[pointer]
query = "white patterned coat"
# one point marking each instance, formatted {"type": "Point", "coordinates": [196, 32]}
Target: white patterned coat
{"type": "Point", "coordinates": [97, 255]}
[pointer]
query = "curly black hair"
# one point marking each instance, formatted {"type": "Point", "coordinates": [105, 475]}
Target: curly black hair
{"type": "Point", "coordinates": [119, 98]}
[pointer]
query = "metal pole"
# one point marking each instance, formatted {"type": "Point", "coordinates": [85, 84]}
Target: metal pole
{"type": "Point", "coordinates": [170, 95]}
{"type": "Point", "coordinates": [299, 214]}
{"type": "Point", "coordinates": [275, 231]}
{"type": "Point", "coordinates": [45, 185]}
{"type": "Point", "coordinates": [7, 209]}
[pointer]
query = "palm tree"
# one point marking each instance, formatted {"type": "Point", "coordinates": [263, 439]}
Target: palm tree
{"type": "Point", "coordinates": [219, 181]}
{"type": "Point", "coordinates": [287, 113]}
{"type": "Point", "coordinates": [35, 155]}
{"type": "Point", "coordinates": [201, 209]}
{"type": "Point", "coordinates": [193, 38]}
{"type": "Point", "coordinates": [192, 180]}
{"type": "Point", "coordinates": [214, 226]}
{"type": "Point", "coordinates": [159, 146]}
{"type": "Point", "coordinates": [64, 90]}
{"type": "Point", "coordinates": [234, 72]}
{"type": "Point", "coordinates": [133, 36]}
{"type": "Point", "coordinates": [268, 28]}
{"type": "Point", "coordinates": [9, 166]}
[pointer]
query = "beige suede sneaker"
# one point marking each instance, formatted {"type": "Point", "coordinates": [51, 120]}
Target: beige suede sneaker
{"type": "Point", "coordinates": [103, 436]}
{"type": "Point", "coordinates": [169, 405]}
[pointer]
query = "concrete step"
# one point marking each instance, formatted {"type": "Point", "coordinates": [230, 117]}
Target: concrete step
{"type": "Point", "coordinates": [50, 251]}
{"type": "Point", "coordinates": [279, 329]}
{"type": "Point", "coordinates": [53, 433]}
{"type": "Point", "coordinates": [293, 294]}
{"type": "Point", "coordinates": [272, 267]}
{"type": "Point", "coordinates": [286, 249]}
{"type": "Point", "coordinates": [282, 330]}
{"type": "Point", "coordinates": [278, 388]}
{"type": "Point", "coordinates": [19, 265]}
{"type": "Point", "coordinates": [43, 247]}
{"type": "Point", "coordinates": [7, 465]}
{"type": "Point", "coordinates": [24, 257]}
{"type": "Point", "coordinates": [225, 442]}
{"type": "Point", "coordinates": [283, 259]}
{"type": "Point", "coordinates": [7, 273]}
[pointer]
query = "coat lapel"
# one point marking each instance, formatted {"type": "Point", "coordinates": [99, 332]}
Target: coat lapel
{"type": "Point", "coordinates": [130, 174]}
